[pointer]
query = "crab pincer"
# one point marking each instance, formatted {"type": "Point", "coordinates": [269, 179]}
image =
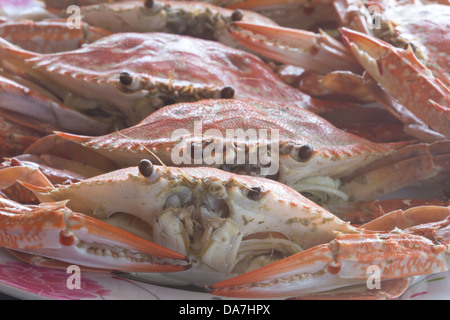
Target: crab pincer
{"type": "Point", "coordinates": [422, 247]}
{"type": "Point", "coordinates": [55, 232]}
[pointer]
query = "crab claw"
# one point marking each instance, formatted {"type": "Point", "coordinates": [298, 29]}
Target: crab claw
{"type": "Point", "coordinates": [349, 259]}
{"type": "Point", "coordinates": [288, 277]}
{"type": "Point", "coordinates": [407, 88]}
{"type": "Point", "coordinates": [334, 265]}
{"type": "Point", "coordinates": [54, 231]}
{"type": "Point", "coordinates": [349, 13]}
{"type": "Point", "coordinates": [317, 52]}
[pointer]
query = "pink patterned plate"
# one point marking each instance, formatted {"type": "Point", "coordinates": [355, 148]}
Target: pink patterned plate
{"type": "Point", "coordinates": [433, 287]}
{"type": "Point", "coordinates": [23, 281]}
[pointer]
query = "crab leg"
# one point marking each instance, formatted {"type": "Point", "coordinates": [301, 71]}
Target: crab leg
{"type": "Point", "coordinates": [343, 85]}
{"type": "Point", "coordinates": [19, 132]}
{"type": "Point", "coordinates": [415, 93]}
{"type": "Point", "coordinates": [332, 71]}
{"type": "Point", "coordinates": [25, 98]}
{"type": "Point", "coordinates": [364, 211]}
{"type": "Point", "coordinates": [419, 250]}
{"type": "Point", "coordinates": [350, 13]}
{"type": "Point", "coordinates": [54, 231]}
{"type": "Point", "coordinates": [31, 167]}
{"type": "Point", "coordinates": [420, 161]}
{"type": "Point", "coordinates": [317, 52]}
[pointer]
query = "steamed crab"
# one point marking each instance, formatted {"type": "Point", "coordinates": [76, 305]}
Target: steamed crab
{"type": "Point", "coordinates": [216, 218]}
{"type": "Point", "coordinates": [284, 143]}
{"type": "Point", "coordinates": [197, 19]}
{"type": "Point", "coordinates": [120, 87]}
{"type": "Point", "coordinates": [29, 112]}
{"type": "Point", "coordinates": [226, 225]}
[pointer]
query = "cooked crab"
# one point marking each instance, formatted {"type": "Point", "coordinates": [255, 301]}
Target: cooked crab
{"type": "Point", "coordinates": [111, 77]}
{"type": "Point", "coordinates": [420, 247]}
{"type": "Point", "coordinates": [285, 143]}
{"type": "Point", "coordinates": [226, 225]}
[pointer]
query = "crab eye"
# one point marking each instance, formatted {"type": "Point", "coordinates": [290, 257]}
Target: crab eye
{"type": "Point", "coordinates": [255, 193]}
{"type": "Point", "coordinates": [237, 15]}
{"type": "Point", "coordinates": [146, 167]}
{"type": "Point", "coordinates": [302, 153]}
{"type": "Point", "coordinates": [227, 93]}
{"type": "Point", "coordinates": [125, 78]}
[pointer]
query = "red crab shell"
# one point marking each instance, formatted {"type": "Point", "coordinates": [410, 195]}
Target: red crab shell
{"type": "Point", "coordinates": [168, 67]}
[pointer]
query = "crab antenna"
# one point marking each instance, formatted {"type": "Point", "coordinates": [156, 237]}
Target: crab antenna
{"type": "Point", "coordinates": [147, 149]}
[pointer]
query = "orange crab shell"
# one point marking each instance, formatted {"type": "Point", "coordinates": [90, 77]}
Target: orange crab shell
{"type": "Point", "coordinates": [167, 67]}
{"type": "Point", "coordinates": [295, 126]}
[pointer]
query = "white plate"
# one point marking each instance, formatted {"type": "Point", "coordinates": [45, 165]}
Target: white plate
{"type": "Point", "coordinates": [20, 280]}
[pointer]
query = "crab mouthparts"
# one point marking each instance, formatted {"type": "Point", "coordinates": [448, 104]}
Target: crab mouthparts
{"type": "Point", "coordinates": [209, 234]}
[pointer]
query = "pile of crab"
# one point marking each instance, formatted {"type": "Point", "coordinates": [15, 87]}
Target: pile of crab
{"type": "Point", "coordinates": [249, 148]}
